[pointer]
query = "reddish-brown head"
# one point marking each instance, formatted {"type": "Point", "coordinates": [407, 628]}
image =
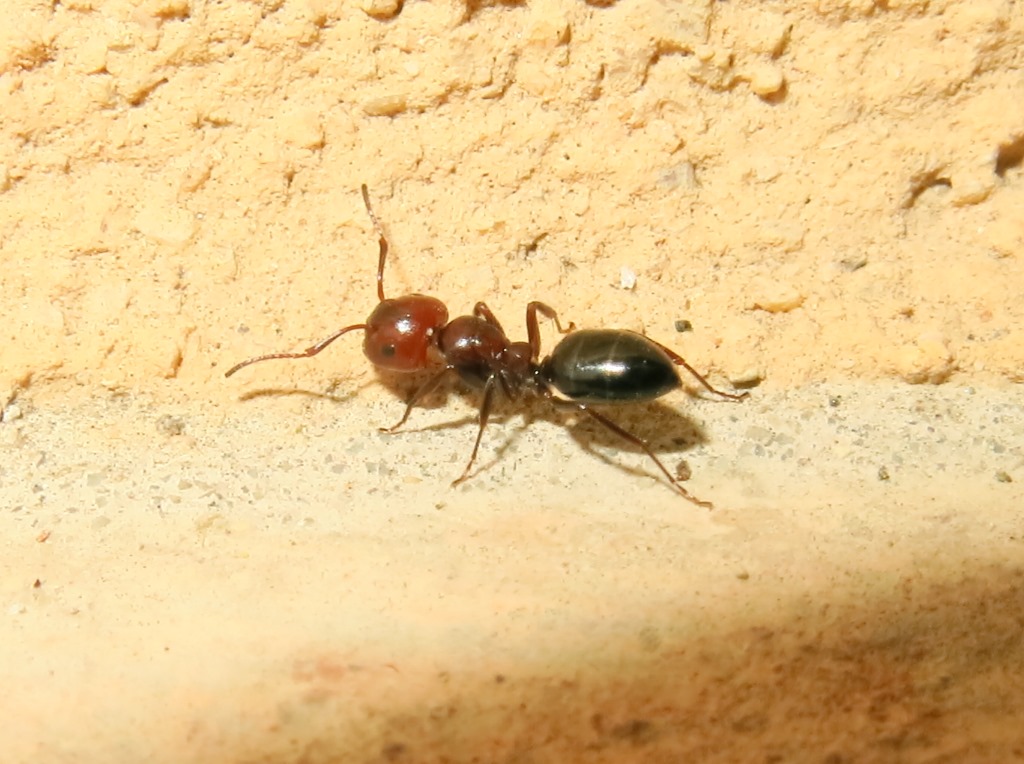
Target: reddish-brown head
{"type": "Point", "coordinates": [401, 331]}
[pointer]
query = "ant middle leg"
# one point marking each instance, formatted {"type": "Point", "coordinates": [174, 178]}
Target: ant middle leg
{"type": "Point", "coordinates": [533, 327]}
{"type": "Point", "coordinates": [485, 413]}
{"type": "Point", "coordinates": [678, 360]}
{"type": "Point", "coordinates": [636, 441]}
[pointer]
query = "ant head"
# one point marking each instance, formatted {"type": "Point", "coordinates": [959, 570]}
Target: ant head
{"type": "Point", "coordinates": [400, 332]}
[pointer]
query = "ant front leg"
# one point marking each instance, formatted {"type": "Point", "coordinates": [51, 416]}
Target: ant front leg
{"type": "Point", "coordinates": [485, 414]}
{"type": "Point", "coordinates": [638, 442]}
{"type": "Point", "coordinates": [678, 360]}
{"type": "Point", "coordinates": [533, 327]}
{"type": "Point", "coordinates": [419, 394]}
{"type": "Point", "coordinates": [480, 310]}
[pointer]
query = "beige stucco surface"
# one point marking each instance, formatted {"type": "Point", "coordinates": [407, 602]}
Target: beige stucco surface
{"type": "Point", "coordinates": [205, 569]}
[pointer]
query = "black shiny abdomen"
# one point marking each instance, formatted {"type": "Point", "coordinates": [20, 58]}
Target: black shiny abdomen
{"type": "Point", "coordinates": [609, 366]}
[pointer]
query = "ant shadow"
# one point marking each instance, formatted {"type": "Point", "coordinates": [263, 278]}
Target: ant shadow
{"type": "Point", "coordinates": [661, 426]}
{"type": "Point", "coordinates": [400, 385]}
{"type": "Point", "coordinates": [282, 392]}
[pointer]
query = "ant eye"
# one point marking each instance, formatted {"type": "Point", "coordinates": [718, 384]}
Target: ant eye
{"type": "Point", "coordinates": [387, 351]}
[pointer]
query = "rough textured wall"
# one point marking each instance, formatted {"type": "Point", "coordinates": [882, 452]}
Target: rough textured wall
{"type": "Point", "coordinates": [211, 570]}
{"type": "Point", "coordinates": [839, 177]}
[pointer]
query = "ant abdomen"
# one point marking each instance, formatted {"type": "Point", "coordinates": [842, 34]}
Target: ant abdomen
{"type": "Point", "coordinates": [400, 332]}
{"type": "Point", "coordinates": [609, 366]}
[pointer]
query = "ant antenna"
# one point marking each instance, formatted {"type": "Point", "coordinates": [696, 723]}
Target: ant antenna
{"type": "Point", "coordinates": [308, 352]}
{"type": "Point", "coordinates": [383, 242]}
{"type": "Point", "coordinates": [314, 349]}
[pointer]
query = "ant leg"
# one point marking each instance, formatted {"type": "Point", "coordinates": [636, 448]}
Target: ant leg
{"type": "Point", "coordinates": [679, 361]}
{"type": "Point", "coordinates": [383, 242]}
{"type": "Point", "coordinates": [419, 394]}
{"type": "Point", "coordinates": [480, 310]}
{"type": "Point", "coordinates": [485, 413]}
{"type": "Point", "coordinates": [638, 442]}
{"type": "Point", "coordinates": [308, 352]}
{"type": "Point", "coordinates": [533, 328]}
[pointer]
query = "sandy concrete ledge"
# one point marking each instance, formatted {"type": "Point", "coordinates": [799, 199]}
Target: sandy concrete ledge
{"type": "Point", "coordinates": [250, 588]}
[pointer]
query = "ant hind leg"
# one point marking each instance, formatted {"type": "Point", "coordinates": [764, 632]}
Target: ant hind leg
{"type": "Point", "coordinates": [638, 442]}
{"type": "Point", "coordinates": [678, 360]}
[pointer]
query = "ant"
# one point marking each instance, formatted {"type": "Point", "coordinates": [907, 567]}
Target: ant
{"type": "Point", "coordinates": [588, 367]}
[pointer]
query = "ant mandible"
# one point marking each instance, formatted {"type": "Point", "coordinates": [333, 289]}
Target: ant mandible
{"type": "Point", "coordinates": [588, 367]}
